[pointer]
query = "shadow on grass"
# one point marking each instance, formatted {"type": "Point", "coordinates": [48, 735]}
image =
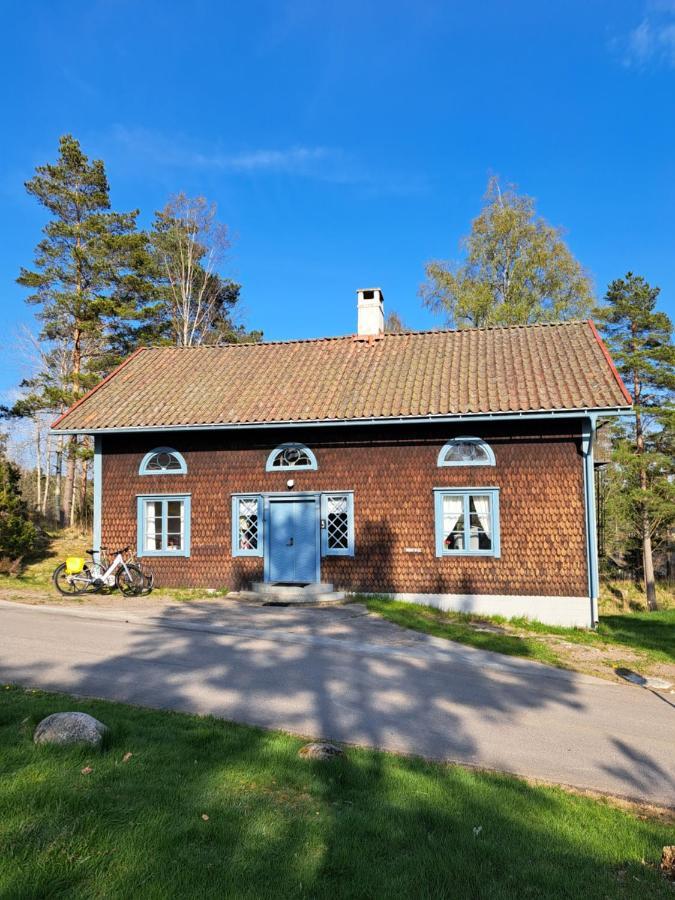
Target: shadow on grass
{"type": "Point", "coordinates": [653, 632]}
{"type": "Point", "coordinates": [459, 627]}
{"type": "Point", "coordinates": [370, 825]}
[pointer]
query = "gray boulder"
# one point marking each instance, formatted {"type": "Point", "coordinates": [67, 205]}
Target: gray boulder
{"type": "Point", "coordinates": [70, 728]}
{"type": "Point", "coordinates": [320, 750]}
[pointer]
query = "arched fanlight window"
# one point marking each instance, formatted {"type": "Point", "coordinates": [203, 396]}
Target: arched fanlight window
{"type": "Point", "coordinates": [291, 456]}
{"type": "Point", "coordinates": [466, 451]}
{"type": "Point", "coordinates": [163, 461]}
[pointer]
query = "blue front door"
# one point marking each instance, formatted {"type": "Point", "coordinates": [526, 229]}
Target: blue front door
{"type": "Point", "coordinates": [293, 541]}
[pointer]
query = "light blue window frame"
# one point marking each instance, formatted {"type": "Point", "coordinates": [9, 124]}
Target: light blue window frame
{"type": "Point", "coordinates": [270, 467]}
{"type": "Point", "coordinates": [141, 500]}
{"type": "Point", "coordinates": [143, 468]}
{"type": "Point", "coordinates": [490, 461]}
{"type": "Point", "coordinates": [337, 551]}
{"type": "Point", "coordinates": [236, 549]}
{"type": "Point", "coordinates": [466, 493]}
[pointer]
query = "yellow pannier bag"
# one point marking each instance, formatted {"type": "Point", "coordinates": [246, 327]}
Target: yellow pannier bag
{"type": "Point", "coordinates": [74, 565]}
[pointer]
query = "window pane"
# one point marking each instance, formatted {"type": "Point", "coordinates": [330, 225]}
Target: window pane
{"type": "Point", "coordinates": [164, 525]}
{"type": "Point", "coordinates": [453, 522]}
{"type": "Point", "coordinates": [174, 524]}
{"type": "Point", "coordinates": [174, 541]}
{"type": "Point", "coordinates": [153, 525]}
{"type": "Point", "coordinates": [337, 523]}
{"type": "Point", "coordinates": [248, 524]}
{"type": "Point", "coordinates": [480, 514]}
{"type": "Point", "coordinates": [466, 452]}
{"type": "Point", "coordinates": [174, 508]}
{"type": "Point", "coordinates": [291, 458]}
{"type": "Point", "coordinates": [163, 462]}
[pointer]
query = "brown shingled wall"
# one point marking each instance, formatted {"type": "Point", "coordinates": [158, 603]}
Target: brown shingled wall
{"type": "Point", "coordinates": [392, 471]}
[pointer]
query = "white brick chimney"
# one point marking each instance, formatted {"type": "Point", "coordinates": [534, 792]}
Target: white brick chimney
{"type": "Point", "coordinates": [371, 311]}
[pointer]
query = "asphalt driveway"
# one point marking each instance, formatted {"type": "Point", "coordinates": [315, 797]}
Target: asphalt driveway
{"type": "Point", "coordinates": [340, 673]}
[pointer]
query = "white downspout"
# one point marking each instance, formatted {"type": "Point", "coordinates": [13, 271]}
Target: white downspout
{"type": "Point", "coordinates": [98, 497]}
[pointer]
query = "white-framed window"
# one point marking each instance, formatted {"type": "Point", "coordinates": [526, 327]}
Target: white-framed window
{"type": "Point", "coordinates": [163, 525]}
{"type": "Point", "coordinates": [466, 451]}
{"type": "Point", "coordinates": [291, 456]}
{"type": "Point", "coordinates": [247, 525]}
{"type": "Point", "coordinates": [163, 461]}
{"type": "Point", "coordinates": [467, 521]}
{"type": "Point", "coordinates": [337, 524]}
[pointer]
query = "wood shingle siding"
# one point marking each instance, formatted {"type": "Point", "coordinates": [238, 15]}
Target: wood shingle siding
{"type": "Point", "coordinates": [392, 470]}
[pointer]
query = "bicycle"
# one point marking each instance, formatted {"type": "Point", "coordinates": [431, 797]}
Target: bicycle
{"type": "Point", "coordinates": [75, 576]}
{"type": "Point", "coordinates": [148, 574]}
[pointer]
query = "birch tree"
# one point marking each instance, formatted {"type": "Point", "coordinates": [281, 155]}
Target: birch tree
{"type": "Point", "coordinates": [517, 269]}
{"type": "Point", "coordinates": [192, 303]}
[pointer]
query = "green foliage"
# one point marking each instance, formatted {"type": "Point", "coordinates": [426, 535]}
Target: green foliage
{"type": "Point", "coordinates": [518, 269]}
{"type": "Point", "coordinates": [640, 339]}
{"type": "Point", "coordinates": [189, 302]}
{"type": "Point", "coordinates": [18, 535]}
{"type": "Point", "coordinates": [83, 277]}
{"type": "Point", "coordinates": [640, 488]}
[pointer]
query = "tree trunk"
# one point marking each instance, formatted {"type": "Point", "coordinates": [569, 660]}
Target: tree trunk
{"type": "Point", "coordinates": [83, 494]}
{"type": "Point", "coordinates": [69, 482]}
{"type": "Point", "coordinates": [38, 466]}
{"type": "Point", "coordinates": [48, 470]}
{"type": "Point", "coordinates": [648, 564]}
{"type": "Point", "coordinates": [58, 512]}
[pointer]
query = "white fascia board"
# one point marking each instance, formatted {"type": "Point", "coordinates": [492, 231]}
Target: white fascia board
{"type": "Point", "coordinates": [541, 414]}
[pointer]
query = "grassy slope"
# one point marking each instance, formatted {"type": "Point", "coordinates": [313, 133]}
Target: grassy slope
{"type": "Point", "coordinates": [372, 825]}
{"type": "Point", "coordinates": [651, 635]}
{"type": "Point", "coordinates": [37, 574]}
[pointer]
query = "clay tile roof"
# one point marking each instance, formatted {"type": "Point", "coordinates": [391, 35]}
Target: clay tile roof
{"type": "Point", "coordinates": [561, 366]}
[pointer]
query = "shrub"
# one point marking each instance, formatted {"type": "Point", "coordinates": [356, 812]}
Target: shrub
{"type": "Point", "coordinates": [18, 534]}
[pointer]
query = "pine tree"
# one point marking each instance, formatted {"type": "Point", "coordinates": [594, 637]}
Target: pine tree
{"type": "Point", "coordinates": [18, 535]}
{"type": "Point", "coordinates": [640, 340]}
{"type": "Point", "coordinates": [84, 279]}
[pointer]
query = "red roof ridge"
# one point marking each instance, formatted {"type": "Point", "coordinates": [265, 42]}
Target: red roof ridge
{"type": "Point", "coordinates": [610, 361]}
{"type": "Point", "coordinates": [97, 386]}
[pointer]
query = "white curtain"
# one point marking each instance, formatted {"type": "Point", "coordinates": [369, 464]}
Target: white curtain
{"type": "Point", "coordinates": [150, 531]}
{"type": "Point", "coordinates": [482, 506]}
{"type": "Point", "coordinates": [453, 508]}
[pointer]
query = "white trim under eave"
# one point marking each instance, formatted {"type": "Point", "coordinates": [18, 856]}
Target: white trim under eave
{"type": "Point", "coordinates": [372, 420]}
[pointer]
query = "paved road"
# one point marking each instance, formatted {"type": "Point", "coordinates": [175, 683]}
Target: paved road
{"type": "Point", "coordinates": [338, 673]}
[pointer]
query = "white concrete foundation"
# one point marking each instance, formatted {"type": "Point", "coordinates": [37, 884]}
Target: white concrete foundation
{"type": "Point", "coordinates": [568, 612]}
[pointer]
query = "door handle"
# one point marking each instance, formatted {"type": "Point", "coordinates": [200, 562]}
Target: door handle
{"type": "Point", "coordinates": [289, 542]}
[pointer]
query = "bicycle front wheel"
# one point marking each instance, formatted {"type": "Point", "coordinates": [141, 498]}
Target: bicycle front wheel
{"type": "Point", "coordinates": [130, 581]}
{"type": "Point", "coordinates": [71, 585]}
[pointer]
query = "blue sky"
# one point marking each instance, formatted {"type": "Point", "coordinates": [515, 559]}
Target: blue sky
{"type": "Point", "coordinates": [347, 143]}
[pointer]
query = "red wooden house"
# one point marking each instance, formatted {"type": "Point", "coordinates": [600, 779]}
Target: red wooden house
{"type": "Point", "coordinates": [453, 468]}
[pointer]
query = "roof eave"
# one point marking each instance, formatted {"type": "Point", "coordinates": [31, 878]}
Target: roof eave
{"type": "Point", "coordinates": [574, 413]}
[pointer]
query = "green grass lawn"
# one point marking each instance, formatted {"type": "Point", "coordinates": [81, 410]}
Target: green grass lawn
{"type": "Point", "coordinates": [37, 573]}
{"type": "Point", "coordinates": [370, 825]}
{"type": "Point", "coordinates": [458, 627]}
{"type": "Point", "coordinates": [651, 635]}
